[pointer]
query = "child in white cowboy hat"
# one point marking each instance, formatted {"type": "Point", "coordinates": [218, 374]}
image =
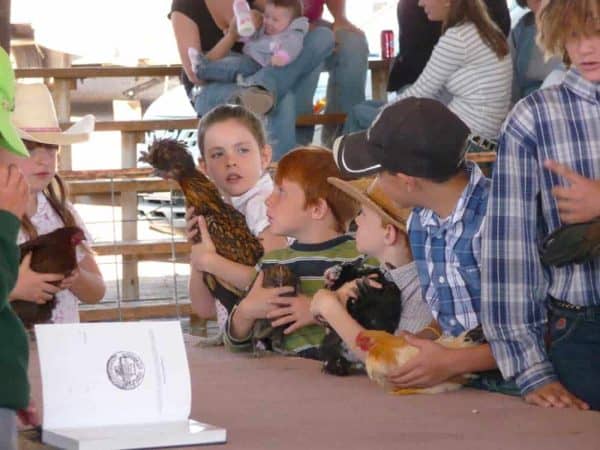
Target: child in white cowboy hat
{"type": "Point", "coordinates": [47, 205]}
{"type": "Point", "coordinates": [14, 353]}
{"type": "Point", "coordinates": [381, 234]}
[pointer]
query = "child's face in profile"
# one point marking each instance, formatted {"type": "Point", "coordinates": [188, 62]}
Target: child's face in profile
{"type": "Point", "coordinates": [286, 209]}
{"type": "Point", "coordinates": [584, 52]}
{"type": "Point", "coordinates": [39, 168]}
{"type": "Point", "coordinates": [370, 232]}
{"type": "Point", "coordinates": [232, 157]}
{"type": "Point", "coordinates": [276, 19]}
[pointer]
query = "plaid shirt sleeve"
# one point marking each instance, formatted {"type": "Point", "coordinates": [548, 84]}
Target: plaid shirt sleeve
{"type": "Point", "coordinates": [514, 287]}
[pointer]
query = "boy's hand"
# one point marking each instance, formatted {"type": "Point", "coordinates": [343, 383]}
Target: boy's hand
{"type": "Point", "coordinates": [294, 311]}
{"type": "Point", "coordinates": [580, 202]}
{"type": "Point", "coordinates": [203, 252]}
{"type": "Point", "coordinates": [350, 289]}
{"type": "Point", "coordinates": [14, 190]}
{"type": "Point", "coordinates": [32, 286]}
{"type": "Point", "coordinates": [554, 395]}
{"type": "Point", "coordinates": [191, 224]}
{"type": "Point", "coordinates": [429, 367]}
{"type": "Point", "coordinates": [260, 300]}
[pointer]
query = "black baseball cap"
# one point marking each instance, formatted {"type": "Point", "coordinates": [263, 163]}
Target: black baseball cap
{"type": "Point", "coordinates": [419, 137]}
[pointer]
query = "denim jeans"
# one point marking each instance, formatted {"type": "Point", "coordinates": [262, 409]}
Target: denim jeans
{"type": "Point", "coordinates": [318, 45]}
{"type": "Point", "coordinates": [347, 67]}
{"type": "Point", "coordinates": [8, 429]}
{"type": "Point", "coordinates": [280, 81]}
{"type": "Point", "coordinates": [575, 351]}
{"type": "Point", "coordinates": [362, 116]}
{"type": "Point", "coordinates": [227, 68]}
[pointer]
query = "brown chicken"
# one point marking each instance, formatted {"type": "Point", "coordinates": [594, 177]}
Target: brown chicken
{"type": "Point", "coordinates": [227, 226]}
{"type": "Point", "coordinates": [50, 253]}
{"type": "Point", "coordinates": [386, 352]}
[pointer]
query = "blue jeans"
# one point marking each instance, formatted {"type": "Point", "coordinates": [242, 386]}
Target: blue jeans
{"type": "Point", "coordinates": [282, 82]}
{"type": "Point", "coordinates": [575, 351]}
{"type": "Point", "coordinates": [227, 68]}
{"type": "Point", "coordinates": [347, 67]}
{"type": "Point", "coordinates": [362, 116]}
{"type": "Point", "coordinates": [318, 45]}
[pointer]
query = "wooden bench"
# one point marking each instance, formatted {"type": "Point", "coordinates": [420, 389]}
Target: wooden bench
{"type": "Point", "coordinates": [140, 310]}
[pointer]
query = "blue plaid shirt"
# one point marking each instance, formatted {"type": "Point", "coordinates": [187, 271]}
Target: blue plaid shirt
{"type": "Point", "coordinates": [560, 123]}
{"type": "Point", "coordinates": [447, 253]}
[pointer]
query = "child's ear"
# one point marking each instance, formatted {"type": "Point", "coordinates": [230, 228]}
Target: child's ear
{"type": "Point", "coordinates": [390, 234]}
{"type": "Point", "coordinates": [319, 209]}
{"type": "Point", "coordinates": [266, 156]}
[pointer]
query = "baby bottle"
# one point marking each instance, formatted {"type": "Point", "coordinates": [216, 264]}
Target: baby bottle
{"type": "Point", "coordinates": [243, 18]}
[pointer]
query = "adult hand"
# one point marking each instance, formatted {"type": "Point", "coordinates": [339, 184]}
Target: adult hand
{"type": "Point", "coordinates": [579, 202]}
{"type": "Point", "coordinates": [431, 366]}
{"type": "Point", "coordinates": [203, 252]}
{"type": "Point", "coordinates": [14, 190]}
{"type": "Point", "coordinates": [232, 31]}
{"type": "Point", "coordinates": [344, 24]}
{"type": "Point", "coordinates": [292, 311]}
{"type": "Point", "coordinates": [554, 395]}
{"type": "Point", "coordinates": [32, 286]}
{"type": "Point", "coordinates": [260, 300]}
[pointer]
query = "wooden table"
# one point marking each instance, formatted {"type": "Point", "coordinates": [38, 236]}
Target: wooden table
{"type": "Point", "coordinates": [278, 403]}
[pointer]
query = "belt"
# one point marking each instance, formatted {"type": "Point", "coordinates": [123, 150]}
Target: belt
{"type": "Point", "coordinates": [566, 305]}
{"type": "Point", "coordinates": [589, 311]}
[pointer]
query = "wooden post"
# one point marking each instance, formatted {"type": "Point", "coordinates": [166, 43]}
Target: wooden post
{"type": "Point", "coordinates": [131, 283]}
{"type": "Point", "coordinates": [61, 94]}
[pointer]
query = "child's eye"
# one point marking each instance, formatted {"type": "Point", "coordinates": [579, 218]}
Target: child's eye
{"type": "Point", "coordinates": [215, 155]}
{"type": "Point", "coordinates": [243, 150]}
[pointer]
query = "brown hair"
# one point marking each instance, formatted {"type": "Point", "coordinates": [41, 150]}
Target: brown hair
{"type": "Point", "coordinates": [310, 167]}
{"type": "Point", "coordinates": [559, 18]}
{"type": "Point", "coordinates": [475, 11]}
{"type": "Point", "coordinates": [56, 193]}
{"type": "Point", "coordinates": [244, 116]}
{"type": "Point", "coordinates": [295, 5]}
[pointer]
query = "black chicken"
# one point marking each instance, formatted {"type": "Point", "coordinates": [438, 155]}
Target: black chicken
{"type": "Point", "coordinates": [373, 308]}
{"type": "Point", "coordinates": [227, 226]}
{"type": "Point", "coordinates": [50, 253]}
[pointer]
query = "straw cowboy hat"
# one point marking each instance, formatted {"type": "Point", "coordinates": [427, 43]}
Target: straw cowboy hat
{"type": "Point", "coordinates": [367, 192]}
{"type": "Point", "coordinates": [35, 118]}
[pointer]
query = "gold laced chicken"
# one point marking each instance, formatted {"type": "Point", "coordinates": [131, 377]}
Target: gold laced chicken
{"type": "Point", "coordinates": [227, 226]}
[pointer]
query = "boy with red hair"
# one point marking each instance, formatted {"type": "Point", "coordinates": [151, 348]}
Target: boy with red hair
{"type": "Point", "coordinates": [305, 207]}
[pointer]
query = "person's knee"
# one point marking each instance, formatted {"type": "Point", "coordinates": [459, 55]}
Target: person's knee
{"type": "Point", "coordinates": [350, 44]}
{"type": "Point", "coordinates": [320, 39]}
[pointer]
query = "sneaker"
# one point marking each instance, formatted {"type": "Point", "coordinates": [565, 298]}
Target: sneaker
{"type": "Point", "coordinates": [256, 99]}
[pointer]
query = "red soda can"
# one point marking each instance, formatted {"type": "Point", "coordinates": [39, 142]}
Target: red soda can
{"type": "Point", "coordinates": [387, 44]}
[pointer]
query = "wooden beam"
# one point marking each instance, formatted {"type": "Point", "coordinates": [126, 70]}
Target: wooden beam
{"type": "Point", "coordinates": [142, 248]}
{"type": "Point", "coordinates": [147, 310]}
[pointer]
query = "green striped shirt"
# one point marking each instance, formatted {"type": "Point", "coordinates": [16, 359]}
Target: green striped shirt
{"type": "Point", "coordinates": [308, 262]}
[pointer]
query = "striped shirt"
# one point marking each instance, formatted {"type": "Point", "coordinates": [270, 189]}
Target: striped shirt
{"type": "Point", "coordinates": [560, 123]}
{"type": "Point", "coordinates": [464, 68]}
{"type": "Point", "coordinates": [416, 314]}
{"type": "Point", "coordinates": [308, 262]}
{"type": "Point", "coordinates": [447, 253]}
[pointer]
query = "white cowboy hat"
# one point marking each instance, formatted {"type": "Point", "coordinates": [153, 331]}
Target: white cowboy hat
{"type": "Point", "coordinates": [35, 118]}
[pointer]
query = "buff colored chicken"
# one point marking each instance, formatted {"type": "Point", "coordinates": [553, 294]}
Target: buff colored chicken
{"type": "Point", "coordinates": [386, 352]}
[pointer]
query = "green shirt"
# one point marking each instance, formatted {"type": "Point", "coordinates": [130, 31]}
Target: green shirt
{"type": "Point", "coordinates": [308, 262]}
{"type": "Point", "coordinates": [14, 351]}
